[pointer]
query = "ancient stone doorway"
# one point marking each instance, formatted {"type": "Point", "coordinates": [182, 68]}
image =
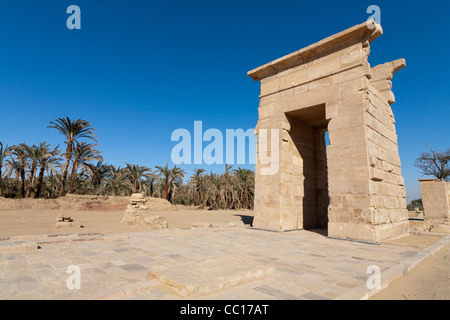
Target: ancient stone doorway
{"type": "Point", "coordinates": [308, 130]}
{"type": "Point", "coordinates": [355, 185]}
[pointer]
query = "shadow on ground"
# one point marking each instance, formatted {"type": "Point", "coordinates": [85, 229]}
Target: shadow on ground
{"type": "Point", "coordinates": [322, 232]}
{"type": "Point", "coordinates": [247, 220]}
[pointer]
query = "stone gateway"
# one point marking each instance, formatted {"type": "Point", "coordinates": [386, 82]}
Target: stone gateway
{"type": "Point", "coordinates": [353, 186]}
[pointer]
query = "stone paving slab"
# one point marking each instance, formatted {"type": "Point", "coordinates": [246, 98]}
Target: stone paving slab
{"type": "Point", "coordinates": [53, 236]}
{"type": "Point", "coordinates": [119, 292]}
{"type": "Point", "coordinates": [209, 276]}
{"type": "Point", "coordinates": [306, 265]}
{"type": "Point", "coordinates": [34, 242]}
{"type": "Point", "coordinates": [17, 246]}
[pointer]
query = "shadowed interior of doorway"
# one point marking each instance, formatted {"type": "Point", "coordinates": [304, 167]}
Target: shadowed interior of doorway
{"type": "Point", "coordinates": [308, 133]}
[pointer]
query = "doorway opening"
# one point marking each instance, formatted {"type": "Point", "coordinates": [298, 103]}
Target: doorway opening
{"type": "Point", "coordinates": [309, 134]}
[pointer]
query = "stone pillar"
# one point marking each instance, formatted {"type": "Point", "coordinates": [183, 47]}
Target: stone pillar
{"type": "Point", "coordinates": [436, 199]}
{"type": "Point", "coordinates": [356, 185]}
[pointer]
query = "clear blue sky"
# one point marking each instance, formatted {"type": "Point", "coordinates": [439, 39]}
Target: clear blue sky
{"type": "Point", "coordinates": [138, 70]}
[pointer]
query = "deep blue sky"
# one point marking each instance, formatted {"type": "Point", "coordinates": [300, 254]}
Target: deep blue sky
{"type": "Point", "coordinates": [138, 70]}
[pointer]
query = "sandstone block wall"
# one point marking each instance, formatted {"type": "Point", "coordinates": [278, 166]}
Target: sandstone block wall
{"type": "Point", "coordinates": [353, 186]}
{"type": "Point", "coordinates": [436, 199]}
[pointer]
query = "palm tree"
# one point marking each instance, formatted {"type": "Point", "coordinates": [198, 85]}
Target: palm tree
{"type": "Point", "coordinates": [116, 179]}
{"type": "Point", "coordinates": [12, 166]}
{"type": "Point", "coordinates": [51, 184]}
{"type": "Point", "coordinates": [134, 174]}
{"type": "Point", "coordinates": [83, 154]}
{"type": "Point", "coordinates": [170, 178]}
{"type": "Point", "coordinates": [228, 186]}
{"type": "Point", "coordinates": [246, 179]}
{"type": "Point", "coordinates": [215, 190]}
{"type": "Point", "coordinates": [197, 181]}
{"type": "Point", "coordinates": [4, 152]}
{"type": "Point", "coordinates": [176, 178]}
{"type": "Point", "coordinates": [150, 182]}
{"type": "Point", "coordinates": [72, 131]}
{"type": "Point", "coordinates": [33, 156]}
{"type": "Point", "coordinates": [165, 173]}
{"type": "Point", "coordinates": [48, 159]}
{"type": "Point", "coordinates": [21, 158]}
{"type": "Point", "coordinates": [97, 173]}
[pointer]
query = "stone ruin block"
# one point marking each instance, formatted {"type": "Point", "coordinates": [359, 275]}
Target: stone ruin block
{"type": "Point", "coordinates": [136, 210]}
{"type": "Point", "coordinates": [62, 221]}
{"type": "Point", "coordinates": [136, 214]}
{"type": "Point", "coordinates": [436, 200]}
{"type": "Point", "coordinates": [353, 186]}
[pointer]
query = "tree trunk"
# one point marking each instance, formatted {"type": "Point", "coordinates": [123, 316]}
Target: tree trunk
{"type": "Point", "coordinates": [1, 180]}
{"type": "Point", "coordinates": [245, 198]}
{"type": "Point", "coordinates": [201, 196]}
{"type": "Point", "coordinates": [37, 190]}
{"type": "Point", "coordinates": [166, 190]}
{"type": "Point", "coordinates": [16, 181]}
{"type": "Point", "coordinates": [66, 167]}
{"type": "Point", "coordinates": [172, 193]}
{"type": "Point", "coordinates": [198, 195]}
{"type": "Point", "coordinates": [73, 177]}
{"type": "Point", "coordinates": [22, 185]}
{"type": "Point", "coordinates": [169, 196]}
{"type": "Point", "coordinates": [31, 182]}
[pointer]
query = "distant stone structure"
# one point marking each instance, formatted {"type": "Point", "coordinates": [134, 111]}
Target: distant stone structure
{"type": "Point", "coordinates": [353, 186]}
{"type": "Point", "coordinates": [63, 221]}
{"type": "Point", "coordinates": [136, 210]}
{"type": "Point", "coordinates": [136, 214]}
{"type": "Point", "coordinates": [436, 200]}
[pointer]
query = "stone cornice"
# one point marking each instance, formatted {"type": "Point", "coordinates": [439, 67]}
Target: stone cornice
{"type": "Point", "coordinates": [359, 33]}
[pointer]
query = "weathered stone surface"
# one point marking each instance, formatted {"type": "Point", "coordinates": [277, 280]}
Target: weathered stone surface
{"type": "Point", "coordinates": [209, 276]}
{"type": "Point", "coordinates": [136, 214]}
{"type": "Point", "coordinates": [352, 186]}
{"type": "Point", "coordinates": [136, 210]}
{"type": "Point", "coordinates": [307, 264]}
{"type": "Point", "coordinates": [62, 218]}
{"type": "Point", "coordinates": [436, 199]}
{"type": "Point", "coordinates": [66, 222]}
{"type": "Point", "coordinates": [154, 223]}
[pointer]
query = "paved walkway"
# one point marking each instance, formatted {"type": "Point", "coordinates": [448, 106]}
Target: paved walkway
{"type": "Point", "coordinates": [294, 265]}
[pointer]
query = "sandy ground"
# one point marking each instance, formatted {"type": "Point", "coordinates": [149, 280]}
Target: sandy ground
{"type": "Point", "coordinates": [430, 280]}
{"type": "Point", "coordinates": [43, 222]}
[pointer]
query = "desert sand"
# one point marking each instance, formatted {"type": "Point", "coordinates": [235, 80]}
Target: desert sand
{"type": "Point", "coordinates": [430, 280]}
{"type": "Point", "coordinates": [43, 222]}
{"type": "Point", "coordinates": [102, 214]}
